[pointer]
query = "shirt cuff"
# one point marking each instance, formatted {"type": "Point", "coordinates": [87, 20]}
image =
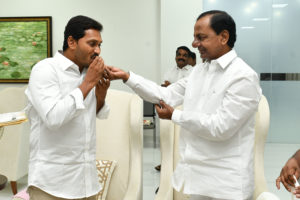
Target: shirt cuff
{"type": "Point", "coordinates": [78, 97]}
{"type": "Point", "coordinates": [103, 112]}
{"type": "Point", "coordinates": [132, 80]}
{"type": "Point", "coordinates": [176, 116]}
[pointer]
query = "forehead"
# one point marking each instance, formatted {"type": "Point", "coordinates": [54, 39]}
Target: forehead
{"type": "Point", "coordinates": [92, 34]}
{"type": "Point", "coordinates": [202, 26]}
{"type": "Point", "coordinates": [182, 51]}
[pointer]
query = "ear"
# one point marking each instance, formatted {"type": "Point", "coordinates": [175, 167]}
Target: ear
{"type": "Point", "coordinates": [224, 37]}
{"type": "Point", "coordinates": [72, 43]}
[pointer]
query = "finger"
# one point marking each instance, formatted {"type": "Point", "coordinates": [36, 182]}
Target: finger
{"type": "Point", "coordinates": [278, 180]}
{"type": "Point", "coordinates": [100, 59]}
{"type": "Point", "coordinates": [111, 75]}
{"type": "Point", "coordinates": [285, 184]}
{"type": "Point", "coordinates": [162, 103]}
{"type": "Point", "coordinates": [94, 62]}
{"type": "Point", "coordinates": [105, 73]}
{"type": "Point", "coordinates": [297, 191]}
{"type": "Point", "coordinates": [158, 108]}
{"type": "Point", "coordinates": [291, 179]}
{"type": "Point", "coordinates": [110, 68]}
{"type": "Point", "coordinates": [283, 178]}
{"type": "Point", "coordinates": [106, 82]}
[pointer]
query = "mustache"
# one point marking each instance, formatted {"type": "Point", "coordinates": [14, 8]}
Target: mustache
{"type": "Point", "coordinates": [94, 55]}
{"type": "Point", "coordinates": [180, 59]}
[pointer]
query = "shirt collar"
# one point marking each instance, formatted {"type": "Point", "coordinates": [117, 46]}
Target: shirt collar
{"type": "Point", "coordinates": [226, 59]}
{"type": "Point", "coordinates": [184, 68]}
{"type": "Point", "coordinates": [65, 62]}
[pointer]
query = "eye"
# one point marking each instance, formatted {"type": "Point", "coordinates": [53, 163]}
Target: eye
{"type": "Point", "coordinates": [92, 44]}
{"type": "Point", "coordinates": [203, 37]}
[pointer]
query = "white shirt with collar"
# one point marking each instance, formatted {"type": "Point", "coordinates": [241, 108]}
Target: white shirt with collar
{"type": "Point", "coordinates": [175, 73]}
{"type": "Point", "coordinates": [220, 100]}
{"type": "Point", "coordinates": [63, 135]}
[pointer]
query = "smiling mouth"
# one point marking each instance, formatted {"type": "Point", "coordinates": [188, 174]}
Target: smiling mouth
{"type": "Point", "coordinates": [201, 51]}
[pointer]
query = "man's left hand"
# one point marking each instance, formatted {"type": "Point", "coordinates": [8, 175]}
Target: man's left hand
{"type": "Point", "coordinates": [163, 110]}
{"type": "Point", "coordinates": [101, 90]}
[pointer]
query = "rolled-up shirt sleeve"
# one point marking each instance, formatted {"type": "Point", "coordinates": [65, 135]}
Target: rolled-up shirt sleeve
{"type": "Point", "coordinates": [239, 103]}
{"type": "Point", "coordinates": [78, 97]}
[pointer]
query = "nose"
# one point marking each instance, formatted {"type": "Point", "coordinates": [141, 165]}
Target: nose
{"type": "Point", "coordinates": [195, 43]}
{"type": "Point", "coordinates": [181, 56]}
{"type": "Point", "coordinates": [98, 50]}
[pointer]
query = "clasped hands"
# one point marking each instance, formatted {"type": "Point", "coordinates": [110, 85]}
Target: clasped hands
{"type": "Point", "coordinates": [163, 110]}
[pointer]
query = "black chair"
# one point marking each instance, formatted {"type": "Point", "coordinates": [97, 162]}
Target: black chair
{"type": "Point", "coordinates": [149, 111]}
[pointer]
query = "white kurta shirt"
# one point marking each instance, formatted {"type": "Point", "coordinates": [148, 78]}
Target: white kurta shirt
{"type": "Point", "coordinates": [175, 73]}
{"type": "Point", "coordinates": [220, 100]}
{"type": "Point", "coordinates": [63, 135]}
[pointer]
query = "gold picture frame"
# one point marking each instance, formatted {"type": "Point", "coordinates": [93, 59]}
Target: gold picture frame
{"type": "Point", "coordinates": [24, 41]}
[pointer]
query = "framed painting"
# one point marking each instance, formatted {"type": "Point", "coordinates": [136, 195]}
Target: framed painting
{"type": "Point", "coordinates": [24, 41]}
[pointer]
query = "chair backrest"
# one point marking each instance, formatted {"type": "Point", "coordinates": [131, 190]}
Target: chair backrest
{"type": "Point", "coordinates": [262, 122]}
{"type": "Point", "coordinates": [14, 144]}
{"type": "Point", "coordinates": [119, 138]}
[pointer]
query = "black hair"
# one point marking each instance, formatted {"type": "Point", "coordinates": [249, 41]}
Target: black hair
{"type": "Point", "coordinates": [219, 21]}
{"type": "Point", "coordinates": [77, 26]}
{"type": "Point", "coordinates": [184, 48]}
{"type": "Point", "coordinates": [192, 55]}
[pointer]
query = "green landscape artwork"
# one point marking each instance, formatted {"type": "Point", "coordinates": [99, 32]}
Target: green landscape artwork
{"type": "Point", "coordinates": [23, 43]}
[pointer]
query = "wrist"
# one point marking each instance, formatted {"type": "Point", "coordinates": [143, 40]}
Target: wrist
{"type": "Point", "coordinates": [126, 76]}
{"type": "Point", "coordinates": [85, 88]}
{"type": "Point", "coordinates": [172, 110]}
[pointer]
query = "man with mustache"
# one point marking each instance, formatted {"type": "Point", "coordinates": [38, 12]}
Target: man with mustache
{"type": "Point", "coordinates": [181, 70]}
{"type": "Point", "coordinates": [220, 98]}
{"type": "Point", "coordinates": [65, 95]}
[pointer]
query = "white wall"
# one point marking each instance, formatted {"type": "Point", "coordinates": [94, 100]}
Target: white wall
{"type": "Point", "coordinates": [130, 35]}
{"type": "Point", "coordinates": [138, 35]}
{"type": "Point", "coordinates": [178, 18]}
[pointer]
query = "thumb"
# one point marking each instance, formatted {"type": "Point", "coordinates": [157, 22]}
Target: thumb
{"type": "Point", "coordinates": [162, 103]}
{"type": "Point", "coordinates": [157, 107]}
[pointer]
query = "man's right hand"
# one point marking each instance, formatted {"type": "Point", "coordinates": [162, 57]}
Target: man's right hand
{"type": "Point", "coordinates": [93, 75]}
{"type": "Point", "coordinates": [116, 73]}
{"type": "Point", "coordinates": [95, 71]}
